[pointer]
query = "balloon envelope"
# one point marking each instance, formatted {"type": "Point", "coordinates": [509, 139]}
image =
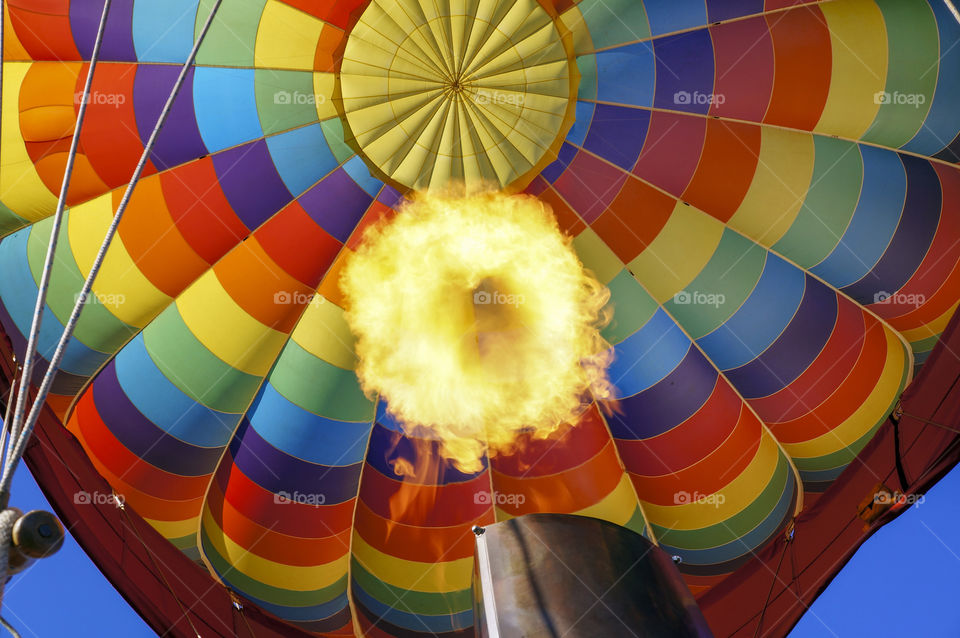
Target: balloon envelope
{"type": "Point", "coordinates": [768, 189]}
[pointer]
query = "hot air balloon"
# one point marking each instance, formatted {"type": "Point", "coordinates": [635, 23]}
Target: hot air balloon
{"type": "Point", "coordinates": [768, 188]}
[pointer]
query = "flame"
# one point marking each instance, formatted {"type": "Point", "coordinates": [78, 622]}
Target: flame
{"type": "Point", "coordinates": [476, 322]}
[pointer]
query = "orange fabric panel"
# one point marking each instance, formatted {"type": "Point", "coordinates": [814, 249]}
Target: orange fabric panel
{"type": "Point", "coordinates": [154, 242]}
{"type": "Point", "coordinates": [253, 280]}
{"type": "Point", "coordinates": [802, 63]}
{"type": "Point", "coordinates": [330, 286]}
{"type": "Point", "coordinates": [43, 28]}
{"type": "Point", "coordinates": [634, 219]}
{"type": "Point", "coordinates": [325, 57]}
{"type": "Point", "coordinates": [48, 103]}
{"type": "Point", "coordinates": [711, 474]}
{"type": "Point", "coordinates": [12, 47]}
{"type": "Point", "coordinates": [568, 491]}
{"type": "Point", "coordinates": [412, 543]}
{"type": "Point", "coordinates": [727, 166]}
{"type": "Point", "coordinates": [47, 100]}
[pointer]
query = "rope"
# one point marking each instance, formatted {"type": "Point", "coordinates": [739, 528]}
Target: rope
{"type": "Point", "coordinates": [8, 517]}
{"type": "Point", "coordinates": [31, 355]}
{"type": "Point", "coordinates": [942, 426]}
{"type": "Point", "coordinates": [22, 434]}
{"type": "Point", "coordinates": [776, 577]}
{"type": "Point", "coordinates": [10, 399]}
{"type": "Point", "coordinates": [6, 625]}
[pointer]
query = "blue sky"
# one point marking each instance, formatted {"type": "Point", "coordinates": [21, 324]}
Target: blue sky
{"type": "Point", "coordinates": [902, 582]}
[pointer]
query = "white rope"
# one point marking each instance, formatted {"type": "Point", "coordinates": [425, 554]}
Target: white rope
{"type": "Point", "coordinates": [23, 433]}
{"type": "Point", "coordinates": [953, 9]}
{"type": "Point", "coordinates": [31, 355]}
{"type": "Point", "coordinates": [8, 518]}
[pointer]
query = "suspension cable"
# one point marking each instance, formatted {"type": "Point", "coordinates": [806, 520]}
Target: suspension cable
{"type": "Point", "coordinates": [23, 434]}
{"type": "Point", "coordinates": [31, 356]}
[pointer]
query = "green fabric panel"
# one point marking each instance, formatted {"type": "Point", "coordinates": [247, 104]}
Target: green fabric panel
{"type": "Point", "coordinates": [98, 328]}
{"type": "Point", "coordinates": [320, 387]}
{"type": "Point", "coordinates": [276, 113]}
{"type": "Point", "coordinates": [232, 38]}
{"type": "Point", "coordinates": [333, 132]}
{"type": "Point", "coordinates": [10, 222]}
{"type": "Point", "coordinates": [614, 22]}
{"type": "Point", "coordinates": [199, 373]}
{"type": "Point", "coordinates": [587, 64]}
{"type": "Point", "coordinates": [632, 307]}
{"type": "Point", "coordinates": [411, 601]}
{"type": "Point", "coordinates": [738, 525]}
{"type": "Point", "coordinates": [831, 199]}
{"type": "Point", "coordinates": [723, 285]}
{"type": "Point", "coordinates": [184, 542]}
{"type": "Point", "coordinates": [275, 595]}
{"type": "Point", "coordinates": [925, 345]}
{"type": "Point", "coordinates": [913, 61]}
{"type": "Point", "coordinates": [637, 523]}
